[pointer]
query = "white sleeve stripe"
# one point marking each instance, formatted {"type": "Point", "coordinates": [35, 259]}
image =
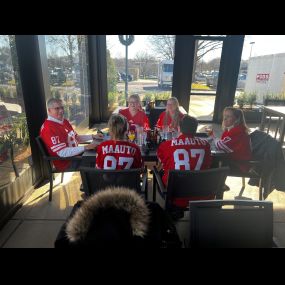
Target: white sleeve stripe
{"type": "Point", "coordinates": [224, 147]}
{"type": "Point", "coordinates": [70, 151]}
{"type": "Point", "coordinates": [220, 147]}
{"type": "Point", "coordinates": [59, 148]}
{"type": "Point", "coordinates": [58, 145]}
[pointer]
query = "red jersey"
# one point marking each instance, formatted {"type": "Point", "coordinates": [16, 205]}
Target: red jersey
{"type": "Point", "coordinates": [184, 153]}
{"type": "Point", "coordinates": [140, 118]}
{"type": "Point", "coordinates": [56, 137]}
{"type": "Point", "coordinates": [236, 142]}
{"type": "Point", "coordinates": [160, 121]}
{"type": "Point", "coordinates": [113, 154]}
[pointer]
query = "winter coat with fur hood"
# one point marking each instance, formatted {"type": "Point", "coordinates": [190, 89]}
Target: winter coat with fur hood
{"type": "Point", "coordinates": [117, 217]}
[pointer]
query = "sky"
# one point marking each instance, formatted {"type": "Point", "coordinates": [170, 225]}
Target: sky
{"type": "Point", "coordinates": [262, 45]}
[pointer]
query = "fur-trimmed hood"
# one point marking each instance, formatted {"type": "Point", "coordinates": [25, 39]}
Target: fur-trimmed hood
{"type": "Point", "coordinates": [118, 198]}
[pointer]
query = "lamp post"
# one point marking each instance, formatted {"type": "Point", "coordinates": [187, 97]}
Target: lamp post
{"type": "Point", "coordinates": [126, 40]}
{"type": "Point", "coordinates": [251, 43]}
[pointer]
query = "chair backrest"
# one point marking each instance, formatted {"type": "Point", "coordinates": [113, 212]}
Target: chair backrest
{"type": "Point", "coordinates": [183, 184]}
{"type": "Point", "coordinates": [44, 152]}
{"type": "Point", "coordinates": [240, 224]}
{"type": "Point", "coordinates": [41, 146]}
{"type": "Point", "coordinates": [154, 114]}
{"type": "Point", "coordinates": [97, 179]}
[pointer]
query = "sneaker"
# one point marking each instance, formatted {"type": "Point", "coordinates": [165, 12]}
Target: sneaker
{"type": "Point", "coordinates": [226, 188]}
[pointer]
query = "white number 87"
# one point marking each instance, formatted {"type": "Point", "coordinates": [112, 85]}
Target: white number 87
{"type": "Point", "coordinates": [113, 161]}
{"type": "Point", "coordinates": [185, 161]}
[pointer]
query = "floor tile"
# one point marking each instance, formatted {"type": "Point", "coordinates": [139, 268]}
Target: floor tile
{"type": "Point", "coordinates": [34, 234]}
{"type": "Point", "coordinates": [8, 230]}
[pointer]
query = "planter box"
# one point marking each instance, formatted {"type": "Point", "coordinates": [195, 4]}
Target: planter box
{"type": "Point", "coordinates": [160, 103]}
{"type": "Point", "coordinates": [274, 102]}
{"type": "Point", "coordinates": [252, 116]}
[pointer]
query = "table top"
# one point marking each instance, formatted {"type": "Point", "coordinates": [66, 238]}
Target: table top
{"type": "Point", "coordinates": [151, 155]}
{"type": "Point", "coordinates": [276, 109]}
{"type": "Point", "coordinates": [181, 109]}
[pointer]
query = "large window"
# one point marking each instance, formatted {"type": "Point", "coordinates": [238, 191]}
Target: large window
{"type": "Point", "coordinates": [262, 72]}
{"type": "Point", "coordinates": [15, 149]}
{"type": "Point", "coordinates": [67, 67]}
{"type": "Point", "coordinates": [150, 68]}
{"type": "Point", "coordinates": [205, 77]}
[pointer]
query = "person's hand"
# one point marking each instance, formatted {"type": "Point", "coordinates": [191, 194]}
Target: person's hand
{"type": "Point", "coordinates": [92, 145]}
{"type": "Point", "coordinates": [98, 136]}
{"type": "Point", "coordinates": [209, 131]}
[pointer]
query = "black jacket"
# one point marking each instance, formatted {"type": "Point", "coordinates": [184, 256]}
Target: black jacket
{"type": "Point", "coordinates": [267, 149]}
{"type": "Point", "coordinates": [117, 217]}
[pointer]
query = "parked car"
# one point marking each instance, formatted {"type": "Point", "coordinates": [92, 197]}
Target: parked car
{"type": "Point", "coordinates": [212, 80]}
{"type": "Point", "coordinates": [57, 76]}
{"type": "Point", "coordinates": [123, 76]}
{"type": "Point", "coordinates": [241, 81]}
{"type": "Point", "coordinates": [200, 77]}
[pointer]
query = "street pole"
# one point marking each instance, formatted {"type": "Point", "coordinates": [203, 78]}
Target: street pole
{"type": "Point", "coordinates": [251, 43]}
{"type": "Point", "coordinates": [126, 81]}
{"type": "Point", "coordinates": [126, 40]}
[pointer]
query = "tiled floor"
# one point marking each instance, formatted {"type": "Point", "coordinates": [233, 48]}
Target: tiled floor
{"type": "Point", "coordinates": [37, 223]}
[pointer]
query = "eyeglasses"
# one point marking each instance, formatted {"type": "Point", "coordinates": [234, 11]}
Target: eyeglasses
{"type": "Point", "coordinates": [58, 108]}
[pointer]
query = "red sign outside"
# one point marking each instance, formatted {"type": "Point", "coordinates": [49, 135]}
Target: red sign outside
{"type": "Point", "coordinates": [262, 77]}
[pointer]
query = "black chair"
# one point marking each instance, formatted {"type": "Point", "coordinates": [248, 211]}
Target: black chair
{"type": "Point", "coordinates": [98, 179]}
{"type": "Point", "coordinates": [231, 224]}
{"type": "Point", "coordinates": [154, 114]}
{"type": "Point", "coordinates": [267, 159]}
{"type": "Point", "coordinates": [51, 169]}
{"type": "Point", "coordinates": [187, 183]}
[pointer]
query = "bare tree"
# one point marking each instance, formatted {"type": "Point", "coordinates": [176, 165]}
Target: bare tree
{"type": "Point", "coordinates": [163, 46]}
{"type": "Point", "coordinates": [68, 44]}
{"type": "Point", "coordinates": [146, 63]}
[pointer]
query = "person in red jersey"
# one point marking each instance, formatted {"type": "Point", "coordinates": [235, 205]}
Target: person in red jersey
{"type": "Point", "coordinates": [118, 153]}
{"type": "Point", "coordinates": [60, 138]}
{"type": "Point", "coordinates": [185, 152]}
{"type": "Point", "coordinates": [171, 117]}
{"type": "Point", "coordinates": [235, 139]}
{"type": "Point", "coordinates": [134, 113]}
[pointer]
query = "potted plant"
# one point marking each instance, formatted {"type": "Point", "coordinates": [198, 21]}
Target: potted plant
{"type": "Point", "coordinates": [149, 97]}
{"type": "Point", "coordinates": [161, 99]}
{"type": "Point", "coordinates": [277, 99]}
{"type": "Point", "coordinates": [246, 102]}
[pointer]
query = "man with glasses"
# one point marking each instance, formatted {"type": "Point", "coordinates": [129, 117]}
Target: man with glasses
{"type": "Point", "coordinates": [134, 113]}
{"type": "Point", "coordinates": [60, 138]}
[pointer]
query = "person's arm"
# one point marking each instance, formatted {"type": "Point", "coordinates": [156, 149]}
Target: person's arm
{"type": "Point", "coordinates": [146, 125]}
{"type": "Point", "coordinates": [159, 122]}
{"type": "Point", "coordinates": [73, 151]}
{"type": "Point", "coordinates": [85, 138]}
{"type": "Point", "coordinates": [70, 151]}
{"type": "Point", "coordinates": [224, 144]}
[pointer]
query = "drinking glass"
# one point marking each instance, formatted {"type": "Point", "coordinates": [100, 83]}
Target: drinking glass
{"type": "Point", "coordinates": [131, 136]}
{"type": "Point", "coordinates": [165, 130]}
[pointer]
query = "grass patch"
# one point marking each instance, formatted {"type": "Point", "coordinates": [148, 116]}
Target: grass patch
{"type": "Point", "coordinates": [199, 86]}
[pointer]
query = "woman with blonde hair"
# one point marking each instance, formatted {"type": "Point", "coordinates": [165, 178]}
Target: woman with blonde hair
{"type": "Point", "coordinates": [118, 153]}
{"type": "Point", "coordinates": [171, 116]}
{"type": "Point", "coordinates": [235, 139]}
{"type": "Point", "coordinates": [134, 113]}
